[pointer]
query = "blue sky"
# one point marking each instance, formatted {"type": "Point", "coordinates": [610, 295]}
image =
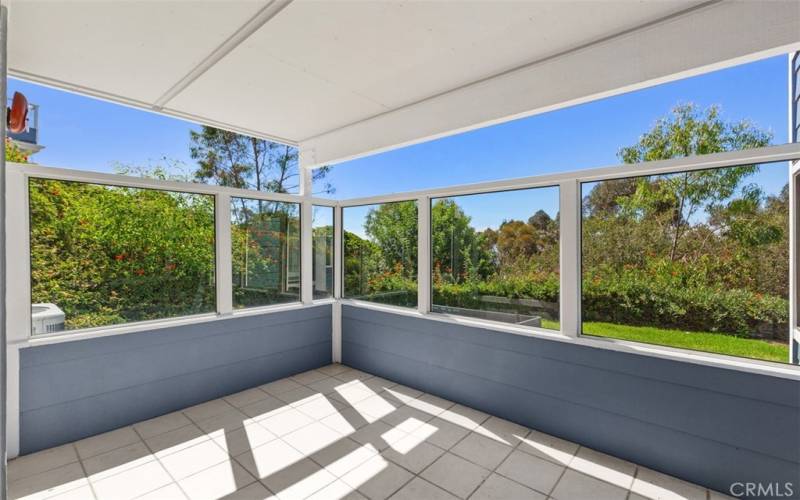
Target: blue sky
{"type": "Point", "coordinates": [88, 134]}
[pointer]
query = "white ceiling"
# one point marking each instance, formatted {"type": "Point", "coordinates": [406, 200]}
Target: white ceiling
{"type": "Point", "coordinates": [298, 70]}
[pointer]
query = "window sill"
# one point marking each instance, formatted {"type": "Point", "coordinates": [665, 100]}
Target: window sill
{"type": "Point", "coordinates": [787, 371]}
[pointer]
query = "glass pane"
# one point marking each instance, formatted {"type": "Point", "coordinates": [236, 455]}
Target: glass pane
{"type": "Point", "coordinates": [322, 230]}
{"type": "Point", "coordinates": [495, 256]}
{"type": "Point", "coordinates": [696, 260]}
{"type": "Point", "coordinates": [107, 255]}
{"type": "Point", "coordinates": [380, 253]}
{"type": "Point", "coordinates": [265, 239]}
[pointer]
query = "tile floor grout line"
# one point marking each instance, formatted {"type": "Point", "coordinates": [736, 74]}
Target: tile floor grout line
{"type": "Point", "coordinates": [85, 474]}
{"type": "Point", "coordinates": [156, 459]}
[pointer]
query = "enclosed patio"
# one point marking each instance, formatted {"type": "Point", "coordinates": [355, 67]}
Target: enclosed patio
{"type": "Point", "coordinates": [603, 331]}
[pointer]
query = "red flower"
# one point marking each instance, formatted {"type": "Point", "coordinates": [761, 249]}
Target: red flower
{"type": "Point", "coordinates": [120, 256]}
{"type": "Point", "coordinates": [139, 272]}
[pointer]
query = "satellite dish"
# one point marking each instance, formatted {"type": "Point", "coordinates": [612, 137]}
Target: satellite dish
{"type": "Point", "coordinates": [17, 116]}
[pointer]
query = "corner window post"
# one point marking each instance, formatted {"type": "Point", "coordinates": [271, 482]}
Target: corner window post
{"type": "Point", "coordinates": [224, 260]}
{"type": "Point", "coordinates": [424, 254]}
{"type": "Point", "coordinates": [306, 237]}
{"type": "Point", "coordinates": [570, 257]}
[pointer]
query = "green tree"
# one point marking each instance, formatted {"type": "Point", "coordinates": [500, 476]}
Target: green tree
{"type": "Point", "coordinates": [230, 159]}
{"type": "Point", "coordinates": [393, 228]}
{"type": "Point", "coordinates": [689, 131]}
{"type": "Point", "coordinates": [459, 252]}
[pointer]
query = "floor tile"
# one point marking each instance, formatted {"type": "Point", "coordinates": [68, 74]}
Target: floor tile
{"type": "Point", "coordinates": [194, 459]}
{"type": "Point", "coordinates": [299, 480]}
{"type": "Point", "coordinates": [441, 433]}
{"type": "Point", "coordinates": [162, 424]}
{"type": "Point", "coordinates": [407, 419]}
{"type": "Point", "coordinates": [502, 430]}
{"type": "Point", "coordinates": [531, 471]}
{"type": "Point", "coordinates": [430, 404]}
{"type": "Point", "coordinates": [651, 484]}
{"type": "Point", "coordinates": [352, 375]}
{"type": "Point", "coordinates": [574, 484]}
{"type": "Point", "coordinates": [345, 421]}
{"type": "Point", "coordinates": [238, 441]}
{"type": "Point", "coordinates": [418, 488]}
{"type": "Point", "coordinates": [378, 434]}
{"type": "Point", "coordinates": [343, 456]}
{"type": "Point", "coordinates": [463, 416]}
{"type": "Point", "coordinates": [82, 493]}
{"type": "Point", "coordinates": [285, 422]}
{"type": "Point", "coordinates": [253, 491]}
{"type": "Point", "coordinates": [280, 386]}
{"type": "Point", "coordinates": [299, 396]}
{"type": "Point", "coordinates": [169, 492]}
{"type": "Point", "coordinates": [412, 453]}
{"type": "Point", "coordinates": [311, 438]}
{"type": "Point", "coordinates": [217, 481]}
{"type": "Point", "coordinates": [309, 377]}
{"type": "Point", "coordinates": [604, 467]}
{"type": "Point", "coordinates": [132, 483]}
{"type": "Point", "coordinates": [333, 369]}
{"type": "Point", "coordinates": [497, 487]}
{"type": "Point", "coordinates": [246, 397]}
{"type": "Point", "coordinates": [41, 461]}
{"type": "Point", "coordinates": [326, 385]}
{"type": "Point", "coordinates": [548, 447]}
{"type": "Point", "coordinates": [49, 483]}
{"type": "Point", "coordinates": [265, 408]}
{"type": "Point", "coordinates": [352, 393]}
{"type": "Point", "coordinates": [108, 441]}
{"type": "Point", "coordinates": [377, 478]}
{"type": "Point", "coordinates": [321, 407]}
{"type": "Point", "coordinates": [374, 408]}
{"type": "Point", "coordinates": [267, 459]}
{"type": "Point", "coordinates": [179, 439]}
{"type": "Point", "coordinates": [378, 384]}
{"type": "Point", "coordinates": [403, 393]}
{"type": "Point", "coordinates": [226, 421]}
{"type": "Point", "coordinates": [115, 461]}
{"type": "Point", "coordinates": [207, 410]}
{"type": "Point", "coordinates": [455, 475]}
{"type": "Point", "coordinates": [337, 490]}
{"type": "Point", "coordinates": [481, 450]}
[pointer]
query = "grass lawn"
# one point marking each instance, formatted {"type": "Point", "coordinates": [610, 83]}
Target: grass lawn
{"type": "Point", "coordinates": [699, 341]}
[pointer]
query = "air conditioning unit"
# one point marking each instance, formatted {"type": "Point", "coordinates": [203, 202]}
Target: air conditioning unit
{"type": "Point", "coordinates": [47, 318]}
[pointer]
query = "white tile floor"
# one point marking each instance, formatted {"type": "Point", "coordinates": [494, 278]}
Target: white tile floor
{"type": "Point", "coordinates": [333, 433]}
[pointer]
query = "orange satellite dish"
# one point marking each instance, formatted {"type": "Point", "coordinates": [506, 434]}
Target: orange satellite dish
{"type": "Point", "coordinates": [17, 115]}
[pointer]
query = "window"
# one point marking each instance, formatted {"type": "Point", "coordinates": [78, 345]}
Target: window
{"type": "Point", "coordinates": [265, 239]}
{"type": "Point", "coordinates": [495, 256]}
{"type": "Point", "coordinates": [322, 231]}
{"type": "Point", "coordinates": [380, 253]}
{"type": "Point", "coordinates": [696, 260]}
{"type": "Point", "coordinates": [106, 255]}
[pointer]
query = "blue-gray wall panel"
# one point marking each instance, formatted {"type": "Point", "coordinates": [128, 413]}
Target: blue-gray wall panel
{"type": "Point", "coordinates": [155, 372]}
{"type": "Point", "coordinates": [712, 426]}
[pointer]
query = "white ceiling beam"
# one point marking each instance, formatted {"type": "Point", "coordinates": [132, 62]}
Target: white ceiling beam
{"type": "Point", "coordinates": [261, 18]}
{"type": "Point", "coordinates": [706, 39]}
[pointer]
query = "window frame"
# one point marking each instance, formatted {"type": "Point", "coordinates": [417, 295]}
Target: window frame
{"type": "Point", "coordinates": [429, 234]}
{"type": "Point", "coordinates": [344, 205]}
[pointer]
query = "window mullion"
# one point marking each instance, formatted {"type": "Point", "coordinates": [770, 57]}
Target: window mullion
{"type": "Point", "coordinates": [224, 257]}
{"type": "Point", "coordinates": [570, 257]}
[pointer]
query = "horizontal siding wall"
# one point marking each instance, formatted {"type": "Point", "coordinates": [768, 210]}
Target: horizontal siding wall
{"type": "Point", "coordinates": [708, 425]}
{"type": "Point", "coordinates": [76, 389]}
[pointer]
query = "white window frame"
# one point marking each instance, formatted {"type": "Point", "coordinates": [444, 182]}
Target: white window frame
{"type": "Point", "coordinates": [569, 184]}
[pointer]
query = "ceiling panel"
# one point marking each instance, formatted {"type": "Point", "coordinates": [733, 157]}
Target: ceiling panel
{"type": "Point", "coordinates": [400, 52]}
{"type": "Point", "coordinates": [259, 91]}
{"type": "Point", "coordinates": [133, 49]}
